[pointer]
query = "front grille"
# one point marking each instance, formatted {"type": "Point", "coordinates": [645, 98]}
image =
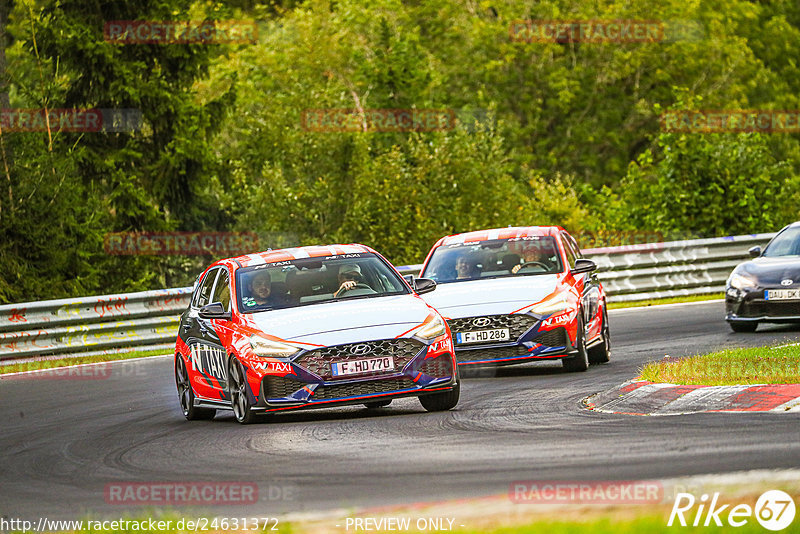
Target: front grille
{"type": "Point", "coordinates": [491, 354]}
{"type": "Point", "coordinates": [277, 387]}
{"type": "Point", "coordinates": [369, 387]}
{"type": "Point", "coordinates": [438, 367]}
{"type": "Point", "coordinates": [517, 324]}
{"type": "Point", "coordinates": [759, 308]}
{"type": "Point", "coordinates": [553, 338]}
{"type": "Point", "coordinates": [319, 361]}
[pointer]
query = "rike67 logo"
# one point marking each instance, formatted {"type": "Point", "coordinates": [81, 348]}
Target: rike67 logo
{"type": "Point", "coordinates": [774, 510]}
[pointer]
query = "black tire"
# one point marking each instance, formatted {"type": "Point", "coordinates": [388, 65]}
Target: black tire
{"type": "Point", "coordinates": [378, 404]}
{"type": "Point", "coordinates": [743, 326]}
{"type": "Point", "coordinates": [440, 402]}
{"type": "Point", "coordinates": [237, 388]}
{"type": "Point", "coordinates": [601, 352]}
{"type": "Point", "coordinates": [186, 394]}
{"type": "Point", "coordinates": [578, 363]}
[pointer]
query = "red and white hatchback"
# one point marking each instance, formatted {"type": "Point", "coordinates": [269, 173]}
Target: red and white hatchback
{"type": "Point", "coordinates": [512, 295]}
{"type": "Point", "coordinates": [310, 327]}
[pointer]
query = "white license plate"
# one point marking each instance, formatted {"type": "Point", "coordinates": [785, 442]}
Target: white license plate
{"type": "Point", "coordinates": [782, 294]}
{"type": "Point", "coordinates": [367, 365]}
{"type": "Point", "coordinates": [483, 336]}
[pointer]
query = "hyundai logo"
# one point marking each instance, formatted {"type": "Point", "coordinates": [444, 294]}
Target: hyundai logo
{"type": "Point", "coordinates": [481, 322]}
{"type": "Point", "coordinates": [787, 282]}
{"type": "Point", "coordinates": [360, 349]}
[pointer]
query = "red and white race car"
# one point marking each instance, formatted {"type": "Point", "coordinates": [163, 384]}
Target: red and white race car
{"type": "Point", "coordinates": [512, 295]}
{"type": "Point", "coordinates": [310, 327]}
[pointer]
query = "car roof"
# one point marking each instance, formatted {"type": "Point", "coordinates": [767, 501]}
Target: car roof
{"type": "Point", "coordinates": [296, 253]}
{"type": "Point", "coordinates": [500, 233]}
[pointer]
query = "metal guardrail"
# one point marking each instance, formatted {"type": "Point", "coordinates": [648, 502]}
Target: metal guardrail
{"type": "Point", "coordinates": [149, 319]}
{"type": "Point", "coordinates": [675, 268]}
{"type": "Point", "coordinates": [57, 327]}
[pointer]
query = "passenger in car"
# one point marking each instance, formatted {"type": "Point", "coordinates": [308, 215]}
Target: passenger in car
{"type": "Point", "coordinates": [262, 292]}
{"type": "Point", "coordinates": [466, 268]}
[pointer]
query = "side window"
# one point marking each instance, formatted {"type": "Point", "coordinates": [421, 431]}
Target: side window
{"type": "Point", "coordinates": [571, 257]}
{"type": "Point", "coordinates": [203, 294]}
{"type": "Point", "coordinates": [222, 291]}
{"type": "Point", "coordinates": [570, 241]}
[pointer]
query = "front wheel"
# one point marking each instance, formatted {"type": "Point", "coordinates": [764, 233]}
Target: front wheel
{"type": "Point", "coordinates": [440, 402]}
{"type": "Point", "coordinates": [186, 394]}
{"type": "Point", "coordinates": [601, 352]}
{"type": "Point", "coordinates": [743, 326]}
{"type": "Point", "coordinates": [579, 362]}
{"type": "Point", "coordinates": [237, 387]}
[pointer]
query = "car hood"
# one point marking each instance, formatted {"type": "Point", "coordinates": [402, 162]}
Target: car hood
{"type": "Point", "coordinates": [771, 271]}
{"type": "Point", "coordinates": [348, 321]}
{"type": "Point", "coordinates": [491, 296]}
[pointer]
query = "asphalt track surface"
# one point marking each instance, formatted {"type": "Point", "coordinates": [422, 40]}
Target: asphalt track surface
{"type": "Point", "coordinates": [63, 440]}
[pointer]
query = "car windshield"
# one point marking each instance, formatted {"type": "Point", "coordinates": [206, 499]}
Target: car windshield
{"type": "Point", "coordinates": [494, 258]}
{"type": "Point", "coordinates": [287, 284]}
{"type": "Point", "coordinates": [787, 243]}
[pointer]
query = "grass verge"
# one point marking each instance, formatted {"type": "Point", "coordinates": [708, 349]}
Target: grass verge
{"type": "Point", "coordinates": [494, 514]}
{"type": "Point", "coordinates": [669, 300]}
{"type": "Point", "coordinates": [651, 524]}
{"type": "Point", "coordinates": [564, 519]}
{"type": "Point", "coordinates": [756, 365]}
{"type": "Point", "coordinates": [35, 365]}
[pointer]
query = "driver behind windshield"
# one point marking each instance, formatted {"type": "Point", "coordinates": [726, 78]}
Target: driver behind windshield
{"type": "Point", "coordinates": [350, 279]}
{"type": "Point", "coordinates": [530, 255]}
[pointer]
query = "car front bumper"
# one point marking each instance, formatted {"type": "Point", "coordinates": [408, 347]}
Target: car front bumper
{"type": "Point", "coordinates": [528, 341]}
{"type": "Point", "coordinates": [750, 306]}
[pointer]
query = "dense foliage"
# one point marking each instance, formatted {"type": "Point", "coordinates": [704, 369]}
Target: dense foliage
{"type": "Point", "coordinates": [563, 133]}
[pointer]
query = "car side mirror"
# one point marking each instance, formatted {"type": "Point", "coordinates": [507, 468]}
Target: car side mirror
{"type": "Point", "coordinates": [424, 285]}
{"type": "Point", "coordinates": [755, 252]}
{"type": "Point", "coordinates": [583, 265]}
{"type": "Point", "coordinates": [215, 310]}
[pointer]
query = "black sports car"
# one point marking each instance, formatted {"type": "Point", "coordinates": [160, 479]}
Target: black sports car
{"type": "Point", "coordinates": [767, 288]}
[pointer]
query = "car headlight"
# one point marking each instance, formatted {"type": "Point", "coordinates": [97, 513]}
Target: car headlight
{"type": "Point", "coordinates": [432, 330]}
{"type": "Point", "coordinates": [272, 349]}
{"type": "Point", "coordinates": [741, 281]}
{"type": "Point", "coordinates": [551, 306]}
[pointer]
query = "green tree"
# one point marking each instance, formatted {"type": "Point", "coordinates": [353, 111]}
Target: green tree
{"type": "Point", "coordinates": [710, 185]}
